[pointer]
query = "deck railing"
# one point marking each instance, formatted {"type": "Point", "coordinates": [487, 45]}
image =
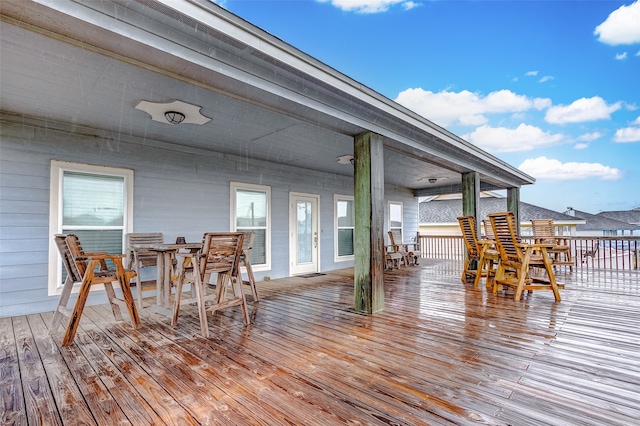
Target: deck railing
{"type": "Point", "coordinates": [612, 253]}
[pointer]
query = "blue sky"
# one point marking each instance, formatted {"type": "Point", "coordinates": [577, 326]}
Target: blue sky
{"type": "Point", "coordinates": [551, 87]}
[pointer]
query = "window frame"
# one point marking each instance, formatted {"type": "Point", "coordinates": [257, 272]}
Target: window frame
{"type": "Point", "coordinates": [336, 228]}
{"type": "Point", "coordinates": [234, 187]}
{"type": "Point", "coordinates": [57, 170]}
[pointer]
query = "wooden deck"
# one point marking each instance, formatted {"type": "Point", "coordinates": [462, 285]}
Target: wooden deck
{"type": "Point", "coordinates": [441, 353]}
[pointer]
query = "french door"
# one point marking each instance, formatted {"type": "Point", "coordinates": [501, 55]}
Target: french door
{"type": "Point", "coordinates": [304, 236]}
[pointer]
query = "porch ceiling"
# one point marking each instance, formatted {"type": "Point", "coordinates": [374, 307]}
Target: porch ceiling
{"type": "Point", "coordinates": [84, 67]}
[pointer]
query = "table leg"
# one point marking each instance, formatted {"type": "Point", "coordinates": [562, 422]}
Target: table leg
{"type": "Point", "coordinates": [552, 277]}
{"type": "Point", "coordinates": [159, 279]}
{"type": "Point", "coordinates": [167, 279]}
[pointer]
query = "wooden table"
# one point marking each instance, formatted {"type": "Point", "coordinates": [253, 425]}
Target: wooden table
{"type": "Point", "coordinates": [166, 256]}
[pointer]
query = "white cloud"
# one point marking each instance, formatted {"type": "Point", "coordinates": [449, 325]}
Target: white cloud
{"type": "Point", "coordinates": [465, 107]}
{"type": "Point", "coordinates": [621, 56]}
{"type": "Point", "coordinates": [622, 26]}
{"type": "Point", "coordinates": [545, 79]}
{"type": "Point", "coordinates": [584, 109]}
{"type": "Point", "coordinates": [531, 73]}
{"type": "Point", "coordinates": [638, 53]}
{"type": "Point", "coordinates": [408, 5]}
{"type": "Point", "coordinates": [636, 122]}
{"type": "Point", "coordinates": [543, 168]}
{"type": "Point", "coordinates": [627, 134]}
{"type": "Point", "coordinates": [369, 6]}
{"type": "Point", "coordinates": [589, 137]}
{"type": "Point", "coordinates": [581, 145]}
{"type": "Point", "coordinates": [523, 138]}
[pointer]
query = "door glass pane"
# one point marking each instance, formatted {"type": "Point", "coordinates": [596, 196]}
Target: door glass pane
{"type": "Point", "coordinates": [305, 231]}
{"type": "Point", "coordinates": [92, 200]}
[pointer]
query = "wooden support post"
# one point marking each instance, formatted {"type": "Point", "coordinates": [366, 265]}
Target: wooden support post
{"type": "Point", "coordinates": [513, 205]}
{"type": "Point", "coordinates": [471, 197]}
{"type": "Point", "coordinates": [369, 223]}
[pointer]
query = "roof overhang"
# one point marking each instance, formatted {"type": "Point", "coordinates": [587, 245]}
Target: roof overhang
{"type": "Point", "coordinates": [234, 64]}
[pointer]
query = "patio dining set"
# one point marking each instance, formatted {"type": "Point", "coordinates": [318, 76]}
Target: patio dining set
{"type": "Point", "coordinates": [219, 253]}
{"type": "Point", "coordinates": [507, 262]}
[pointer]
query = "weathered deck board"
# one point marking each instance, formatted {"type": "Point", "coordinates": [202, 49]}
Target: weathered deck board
{"type": "Point", "coordinates": [441, 353]}
{"type": "Point", "coordinates": [12, 409]}
{"type": "Point", "coordinates": [39, 402]}
{"type": "Point", "coordinates": [70, 403]}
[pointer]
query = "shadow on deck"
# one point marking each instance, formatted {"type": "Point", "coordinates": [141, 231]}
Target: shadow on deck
{"type": "Point", "coordinates": [441, 352]}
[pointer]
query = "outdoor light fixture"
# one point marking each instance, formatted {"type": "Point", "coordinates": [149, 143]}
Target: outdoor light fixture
{"type": "Point", "coordinates": [174, 117]}
{"type": "Point", "coordinates": [346, 159]}
{"type": "Point", "coordinates": [175, 112]}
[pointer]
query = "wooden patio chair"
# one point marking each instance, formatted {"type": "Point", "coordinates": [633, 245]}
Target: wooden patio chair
{"type": "Point", "coordinates": [520, 265]}
{"type": "Point", "coordinates": [480, 251]}
{"type": "Point", "coordinates": [544, 232]}
{"type": "Point", "coordinates": [90, 269]}
{"type": "Point", "coordinates": [220, 254]}
{"type": "Point", "coordinates": [140, 255]}
{"type": "Point", "coordinates": [488, 231]}
{"type": "Point", "coordinates": [245, 260]}
{"type": "Point", "coordinates": [409, 251]}
{"type": "Point", "coordinates": [392, 257]}
{"type": "Point", "coordinates": [589, 252]}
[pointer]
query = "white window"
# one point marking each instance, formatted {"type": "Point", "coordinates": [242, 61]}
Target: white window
{"type": "Point", "coordinates": [344, 219]}
{"type": "Point", "coordinates": [395, 218]}
{"type": "Point", "coordinates": [251, 212]}
{"type": "Point", "coordinates": [93, 202]}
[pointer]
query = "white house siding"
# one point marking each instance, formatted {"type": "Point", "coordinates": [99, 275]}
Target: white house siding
{"type": "Point", "coordinates": [180, 193]}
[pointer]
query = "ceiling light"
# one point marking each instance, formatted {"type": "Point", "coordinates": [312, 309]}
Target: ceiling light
{"type": "Point", "coordinates": [345, 159]}
{"type": "Point", "coordinates": [173, 112]}
{"type": "Point", "coordinates": [174, 117]}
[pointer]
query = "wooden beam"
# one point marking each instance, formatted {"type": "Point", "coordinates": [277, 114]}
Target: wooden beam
{"type": "Point", "coordinates": [369, 223]}
{"type": "Point", "coordinates": [455, 188]}
{"type": "Point", "coordinates": [471, 196]}
{"type": "Point", "coordinates": [513, 205]}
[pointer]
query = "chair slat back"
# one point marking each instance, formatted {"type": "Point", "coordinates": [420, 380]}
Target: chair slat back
{"type": "Point", "coordinates": [221, 252]}
{"type": "Point", "coordinates": [141, 244]}
{"type": "Point", "coordinates": [247, 243]}
{"type": "Point", "coordinates": [468, 228]}
{"type": "Point", "coordinates": [506, 237]}
{"type": "Point", "coordinates": [543, 230]}
{"type": "Point", "coordinates": [488, 230]}
{"type": "Point", "coordinates": [71, 253]}
{"type": "Point", "coordinates": [395, 237]}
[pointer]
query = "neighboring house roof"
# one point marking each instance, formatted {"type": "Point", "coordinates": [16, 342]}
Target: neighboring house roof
{"type": "Point", "coordinates": [627, 216]}
{"type": "Point", "coordinates": [602, 223]}
{"type": "Point", "coordinates": [447, 211]}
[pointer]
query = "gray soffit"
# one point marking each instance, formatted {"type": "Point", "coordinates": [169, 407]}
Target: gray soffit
{"type": "Point", "coordinates": [266, 99]}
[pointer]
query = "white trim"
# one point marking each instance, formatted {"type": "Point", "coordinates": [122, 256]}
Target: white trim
{"type": "Point", "coordinates": [336, 257]}
{"type": "Point", "coordinates": [55, 212]}
{"type": "Point", "coordinates": [235, 186]}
